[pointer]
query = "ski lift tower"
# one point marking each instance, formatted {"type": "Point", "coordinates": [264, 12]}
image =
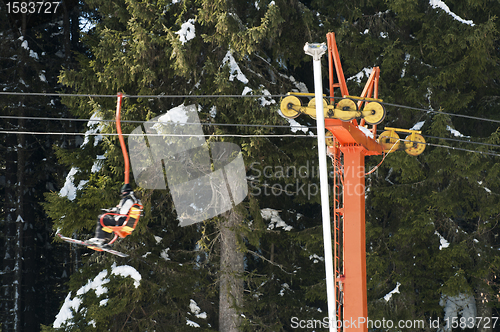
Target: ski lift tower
{"type": "Point", "coordinates": [347, 148]}
{"type": "Point", "coordinates": [347, 145]}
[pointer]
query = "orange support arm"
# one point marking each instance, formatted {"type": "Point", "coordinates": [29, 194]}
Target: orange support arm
{"type": "Point", "coordinates": [120, 137]}
{"type": "Point", "coordinates": [333, 56]}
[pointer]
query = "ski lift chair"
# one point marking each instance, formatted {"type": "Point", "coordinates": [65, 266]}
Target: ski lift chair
{"type": "Point", "coordinates": [127, 226]}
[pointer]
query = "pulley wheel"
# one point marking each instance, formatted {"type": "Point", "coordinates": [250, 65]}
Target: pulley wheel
{"type": "Point", "coordinates": [415, 146]}
{"type": "Point", "coordinates": [329, 138]}
{"type": "Point", "coordinates": [373, 113]}
{"type": "Point", "coordinates": [312, 104]}
{"type": "Point", "coordinates": [387, 139]}
{"type": "Point", "coordinates": [347, 105]}
{"type": "Point", "coordinates": [289, 107]}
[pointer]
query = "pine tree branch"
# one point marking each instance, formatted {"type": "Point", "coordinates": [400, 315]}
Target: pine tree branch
{"type": "Point", "coordinates": [269, 261]}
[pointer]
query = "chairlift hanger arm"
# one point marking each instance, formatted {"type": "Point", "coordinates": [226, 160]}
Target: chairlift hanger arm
{"type": "Point", "coordinates": [120, 137]}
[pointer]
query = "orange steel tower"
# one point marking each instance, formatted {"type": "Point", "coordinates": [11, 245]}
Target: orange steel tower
{"type": "Point", "coordinates": [347, 149]}
{"type": "Point", "coordinates": [347, 145]}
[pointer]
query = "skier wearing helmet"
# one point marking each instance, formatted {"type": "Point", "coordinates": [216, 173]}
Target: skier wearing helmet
{"type": "Point", "coordinates": [115, 216]}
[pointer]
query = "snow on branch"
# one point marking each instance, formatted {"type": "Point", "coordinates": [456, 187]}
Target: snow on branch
{"type": "Point", "coordinates": [440, 4]}
{"type": "Point", "coordinates": [187, 31]}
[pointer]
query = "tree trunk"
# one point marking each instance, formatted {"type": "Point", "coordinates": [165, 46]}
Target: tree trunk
{"type": "Point", "coordinates": [9, 232]}
{"type": "Point", "coordinates": [231, 270]}
{"type": "Point", "coordinates": [67, 32]}
{"type": "Point", "coordinates": [481, 286]}
{"type": "Point", "coordinates": [12, 255]}
{"type": "Point", "coordinates": [483, 308]}
{"type": "Point", "coordinates": [19, 222]}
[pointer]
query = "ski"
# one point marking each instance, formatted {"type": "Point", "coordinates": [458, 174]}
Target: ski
{"type": "Point", "coordinates": [83, 243]}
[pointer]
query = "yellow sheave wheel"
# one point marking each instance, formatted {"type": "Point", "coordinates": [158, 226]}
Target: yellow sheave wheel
{"type": "Point", "coordinates": [329, 138]}
{"type": "Point", "coordinates": [373, 113]}
{"type": "Point", "coordinates": [415, 146]}
{"type": "Point", "coordinates": [387, 139]}
{"type": "Point", "coordinates": [312, 104]}
{"type": "Point", "coordinates": [347, 105]}
{"type": "Point", "coordinates": [289, 107]}
{"type": "Point", "coordinates": [346, 110]}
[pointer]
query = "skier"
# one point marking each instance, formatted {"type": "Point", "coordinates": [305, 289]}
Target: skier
{"type": "Point", "coordinates": [115, 217]}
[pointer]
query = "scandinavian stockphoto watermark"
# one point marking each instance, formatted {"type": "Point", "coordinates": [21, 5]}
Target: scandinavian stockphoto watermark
{"type": "Point", "coordinates": [207, 179]}
{"type": "Point", "coordinates": [292, 180]}
{"type": "Point", "coordinates": [447, 323]}
{"type": "Point", "coordinates": [204, 179]}
{"type": "Point", "coordinates": [360, 322]}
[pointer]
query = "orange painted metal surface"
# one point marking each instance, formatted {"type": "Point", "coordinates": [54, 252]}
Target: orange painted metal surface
{"type": "Point", "coordinates": [338, 232]}
{"type": "Point", "coordinates": [333, 56]}
{"type": "Point", "coordinates": [348, 153]}
{"type": "Point", "coordinates": [354, 281]}
{"type": "Point", "coordinates": [349, 134]}
{"type": "Point", "coordinates": [120, 136]}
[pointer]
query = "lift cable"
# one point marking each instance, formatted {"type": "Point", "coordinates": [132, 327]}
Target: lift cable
{"type": "Point", "coordinates": [55, 94]}
{"type": "Point", "coordinates": [48, 94]}
{"type": "Point", "coordinates": [213, 124]}
{"type": "Point", "coordinates": [251, 136]}
{"type": "Point", "coordinates": [151, 135]}
{"type": "Point", "coordinates": [138, 121]}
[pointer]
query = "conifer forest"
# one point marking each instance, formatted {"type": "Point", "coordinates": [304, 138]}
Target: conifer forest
{"type": "Point", "coordinates": [432, 220]}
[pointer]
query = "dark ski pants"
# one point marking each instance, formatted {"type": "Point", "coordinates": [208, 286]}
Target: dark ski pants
{"type": "Point", "coordinates": [107, 220]}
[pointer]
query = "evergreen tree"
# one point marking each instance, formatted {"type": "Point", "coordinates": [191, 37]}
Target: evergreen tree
{"type": "Point", "coordinates": [139, 48]}
{"type": "Point", "coordinates": [430, 57]}
{"type": "Point", "coordinates": [32, 269]}
{"type": "Point", "coordinates": [436, 58]}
